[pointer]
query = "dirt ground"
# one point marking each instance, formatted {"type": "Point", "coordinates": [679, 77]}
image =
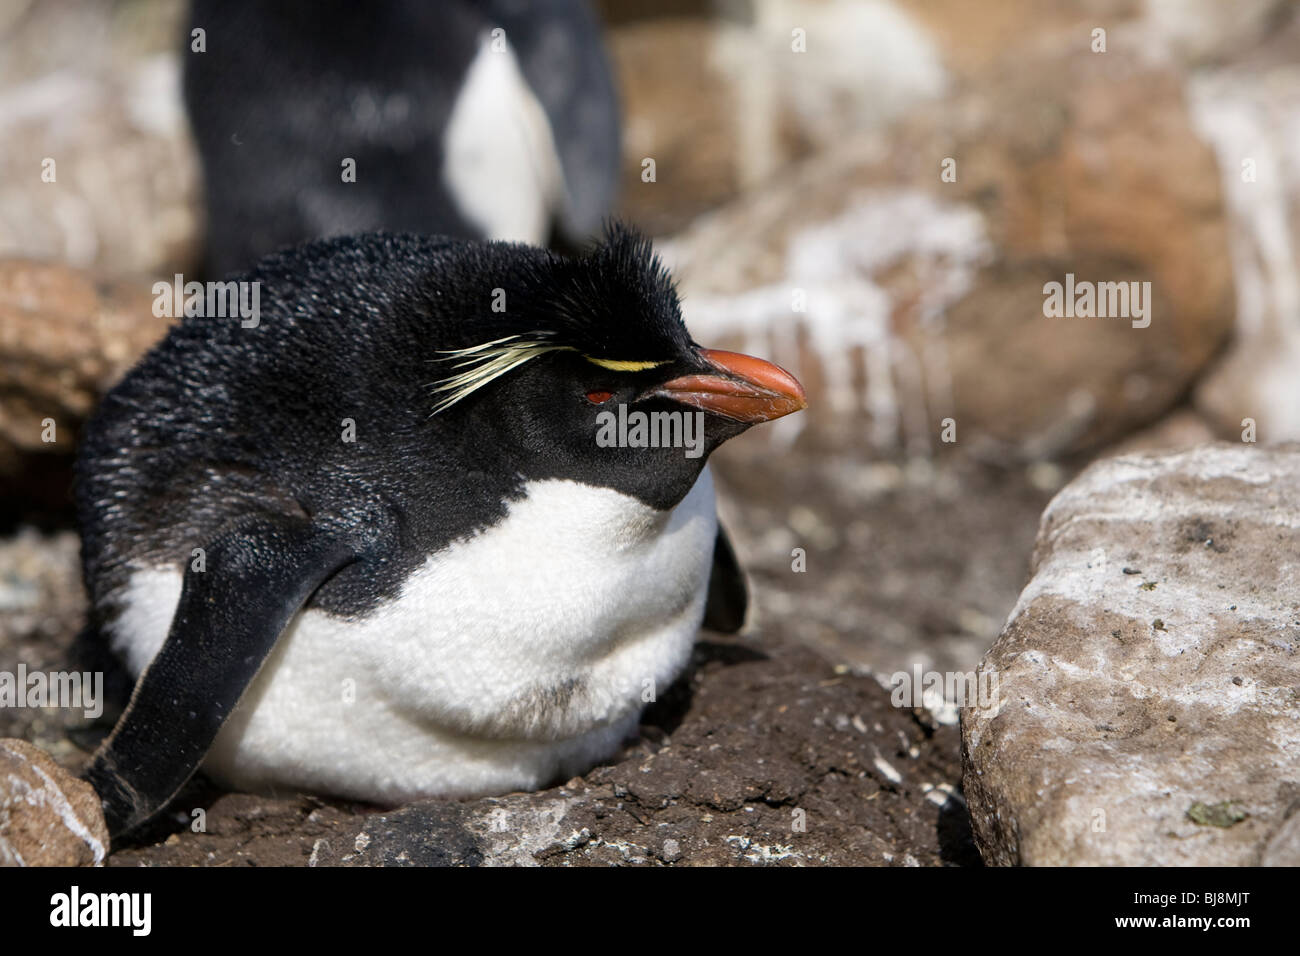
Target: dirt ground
{"type": "Point", "coordinates": [758, 757]}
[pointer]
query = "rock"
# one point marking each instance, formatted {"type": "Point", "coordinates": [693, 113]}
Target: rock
{"type": "Point", "coordinates": [1146, 707]}
{"type": "Point", "coordinates": [1245, 111]}
{"type": "Point", "coordinates": [1181, 429]}
{"type": "Point", "coordinates": [42, 608]}
{"type": "Point", "coordinates": [721, 99]}
{"type": "Point", "coordinates": [97, 172]}
{"type": "Point", "coordinates": [1283, 848]}
{"type": "Point", "coordinates": [762, 757]}
{"type": "Point", "coordinates": [65, 337]}
{"type": "Point", "coordinates": [48, 817]}
{"type": "Point", "coordinates": [98, 169]}
{"type": "Point", "coordinates": [1205, 31]}
{"type": "Point", "coordinates": [901, 300]}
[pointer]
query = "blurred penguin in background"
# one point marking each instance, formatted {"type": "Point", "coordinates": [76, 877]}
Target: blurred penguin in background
{"type": "Point", "coordinates": [481, 119]}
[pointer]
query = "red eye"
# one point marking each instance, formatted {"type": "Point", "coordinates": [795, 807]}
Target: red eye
{"type": "Point", "coordinates": [599, 397]}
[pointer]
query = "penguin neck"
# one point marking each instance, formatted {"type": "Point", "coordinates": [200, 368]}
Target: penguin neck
{"type": "Point", "coordinates": [660, 483]}
{"type": "Point", "coordinates": [580, 514]}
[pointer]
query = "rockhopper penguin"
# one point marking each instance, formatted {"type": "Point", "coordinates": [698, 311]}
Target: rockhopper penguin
{"type": "Point", "coordinates": [485, 119]}
{"type": "Point", "coordinates": [372, 546]}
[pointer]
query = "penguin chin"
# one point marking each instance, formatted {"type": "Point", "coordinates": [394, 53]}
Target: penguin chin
{"type": "Point", "coordinates": [661, 481]}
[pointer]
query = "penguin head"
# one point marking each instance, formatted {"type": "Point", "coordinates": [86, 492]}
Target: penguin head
{"type": "Point", "coordinates": [590, 374]}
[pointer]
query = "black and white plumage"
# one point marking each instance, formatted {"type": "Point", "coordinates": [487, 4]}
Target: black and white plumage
{"type": "Point", "coordinates": [490, 119]}
{"type": "Point", "coordinates": [470, 597]}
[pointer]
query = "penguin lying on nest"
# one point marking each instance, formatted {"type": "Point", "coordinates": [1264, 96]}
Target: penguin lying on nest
{"type": "Point", "coordinates": [375, 547]}
{"type": "Point", "coordinates": [483, 119]}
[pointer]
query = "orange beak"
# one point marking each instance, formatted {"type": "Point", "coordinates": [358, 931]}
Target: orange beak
{"type": "Point", "coordinates": [744, 388]}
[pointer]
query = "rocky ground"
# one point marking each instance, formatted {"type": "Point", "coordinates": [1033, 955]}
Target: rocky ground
{"type": "Point", "coordinates": [1142, 636]}
{"type": "Point", "coordinates": [764, 754]}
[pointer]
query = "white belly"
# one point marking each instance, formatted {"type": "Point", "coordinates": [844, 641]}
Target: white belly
{"type": "Point", "coordinates": [510, 659]}
{"type": "Point", "coordinates": [501, 165]}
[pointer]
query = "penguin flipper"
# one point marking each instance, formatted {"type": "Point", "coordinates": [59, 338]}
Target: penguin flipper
{"type": "Point", "coordinates": [728, 599]}
{"type": "Point", "coordinates": [256, 578]}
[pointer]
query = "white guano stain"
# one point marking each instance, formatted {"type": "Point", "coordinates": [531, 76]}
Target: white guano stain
{"type": "Point", "coordinates": [837, 264]}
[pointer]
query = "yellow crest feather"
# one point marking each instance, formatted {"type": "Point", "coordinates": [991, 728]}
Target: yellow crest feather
{"type": "Point", "coordinates": [615, 365]}
{"type": "Point", "coordinates": [485, 363]}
